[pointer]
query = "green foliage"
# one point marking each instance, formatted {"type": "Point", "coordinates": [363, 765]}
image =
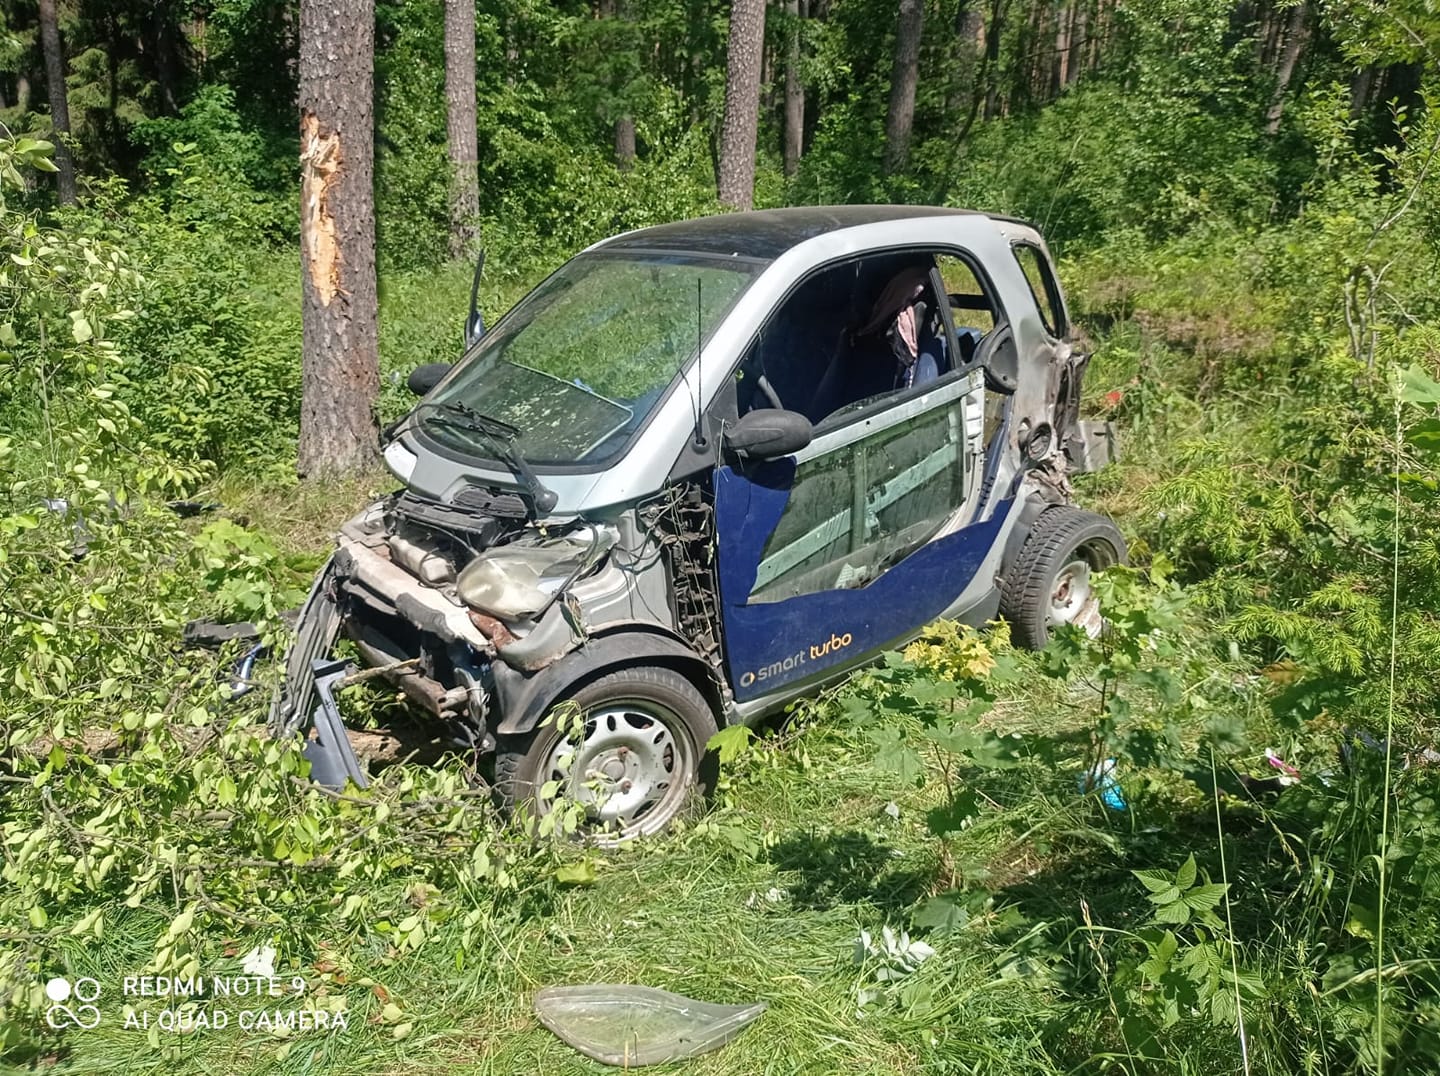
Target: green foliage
{"type": "Point", "coordinates": [239, 570]}
{"type": "Point", "coordinates": [125, 785]}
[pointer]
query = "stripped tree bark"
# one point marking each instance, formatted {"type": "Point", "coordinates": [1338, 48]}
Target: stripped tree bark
{"type": "Point", "coordinates": [904, 76]}
{"type": "Point", "coordinates": [340, 376]}
{"type": "Point", "coordinates": [460, 123]}
{"type": "Point", "coordinates": [736, 166]}
{"type": "Point", "coordinates": [59, 102]}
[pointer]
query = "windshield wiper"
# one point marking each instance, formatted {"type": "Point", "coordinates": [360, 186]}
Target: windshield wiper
{"type": "Point", "coordinates": [462, 416]}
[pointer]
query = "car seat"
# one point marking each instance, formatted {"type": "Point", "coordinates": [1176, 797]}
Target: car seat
{"type": "Point", "coordinates": [897, 347]}
{"type": "Point", "coordinates": [899, 317]}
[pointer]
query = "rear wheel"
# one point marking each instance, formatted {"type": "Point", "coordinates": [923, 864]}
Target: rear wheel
{"type": "Point", "coordinates": [633, 758]}
{"type": "Point", "coordinates": [1050, 584]}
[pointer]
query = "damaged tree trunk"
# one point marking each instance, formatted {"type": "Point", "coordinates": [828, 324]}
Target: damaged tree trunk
{"type": "Point", "coordinates": [340, 370]}
{"type": "Point", "coordinates": [460, 123]}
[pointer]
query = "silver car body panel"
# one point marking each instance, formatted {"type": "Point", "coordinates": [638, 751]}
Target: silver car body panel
{"type": "Point", "coordinates": [648, 461]}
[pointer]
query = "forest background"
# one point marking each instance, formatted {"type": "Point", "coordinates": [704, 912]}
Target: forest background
{"type": "Point", "coordinates": [1245, 202]}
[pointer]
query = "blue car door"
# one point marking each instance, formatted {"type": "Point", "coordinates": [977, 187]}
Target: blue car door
{"type": "Point", "coordinates": [851, 544]}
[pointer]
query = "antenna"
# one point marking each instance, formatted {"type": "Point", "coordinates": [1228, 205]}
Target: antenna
{"type": "Point", "coordinates": [699, 349]}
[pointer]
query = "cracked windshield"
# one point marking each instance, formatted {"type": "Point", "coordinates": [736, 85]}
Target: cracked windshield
{"type": "Point", "coordinates": [578, 366]}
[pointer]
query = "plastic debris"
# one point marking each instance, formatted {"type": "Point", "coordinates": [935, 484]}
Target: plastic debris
{"type": "Point", "coordinates": [638, 1025]}
{"type": "Point", "coordinates": [1102, 777]}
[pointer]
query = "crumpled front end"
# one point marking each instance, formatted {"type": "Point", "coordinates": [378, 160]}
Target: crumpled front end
{"type": "Point", "coordinates": [443, 601]}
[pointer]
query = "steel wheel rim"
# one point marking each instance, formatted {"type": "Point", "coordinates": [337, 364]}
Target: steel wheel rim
{"type": "Point", "coordinates": [1072, 596]}
{"type": "Point", "coordinates": [631, 771]}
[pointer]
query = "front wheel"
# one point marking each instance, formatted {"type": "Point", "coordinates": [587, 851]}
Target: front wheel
{"type": "Point", "coordinates": [632, 753]}
{"type": "Point", "coordinates": [1049, 583]}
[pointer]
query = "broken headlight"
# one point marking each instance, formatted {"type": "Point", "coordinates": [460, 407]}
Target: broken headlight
{"type": "Point", "coordinates": [514, 582]}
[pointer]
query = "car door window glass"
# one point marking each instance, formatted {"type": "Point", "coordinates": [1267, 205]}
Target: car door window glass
{"type": "Point", "coordinates": [973, 310]}
{"type": "Point", "coordinates": [1042, 287]}
{"type": "Point", "coordinates": [858, 510]}
{"type": "Point", "coordinates": [830, 349]}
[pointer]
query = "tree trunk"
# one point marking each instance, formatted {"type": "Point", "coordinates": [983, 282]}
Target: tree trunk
{"type": "Point", "coordinates": [736, 171]}
{"type": "Point", "coordinates": [1295, 35]}
{"type": "Point", "coordinates": [460, 123]}
{"type": "Point", "coordinates": [969, 47]}
{"type": "Point", "coordinates": [340, 370]}
{"type": "Point", "coordinates": [794, 92]}
{"type": "Point", "coordinates": [1061, 71]}
{"type": "Point", "coordinates": [167, 61]}
{"type": "Point", "coordinates": [904, 76]}
{"type": "Point", "coordinates": [1360, 87]}
{"type": "Point", "coordinates": [625, 143]}
{"type": "Point", "coordinates": [59, 103]}
{"type": "Point", "coordinates": [991, 68]}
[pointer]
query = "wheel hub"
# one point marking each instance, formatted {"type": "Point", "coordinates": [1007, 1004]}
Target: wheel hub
{"type": "Point", "coordinates": [1073, 599]}
{"type": "Point", "coordinates": [628, 768]}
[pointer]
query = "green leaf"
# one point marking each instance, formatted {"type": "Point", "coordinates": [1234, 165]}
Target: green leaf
{"type": "Point", "coordinates": [1168, 895]}
{"type": "Point", "coordinates": [941, 914]}
{"type": "Point", "coordinates": [993, 752]}
{"type": "Point", "coordinates": [1425, 435]}
{"type": "Point", "coordinates": [1155, 880]}
{"type": "Point", "coordinates": [1177, 912]}
{"type": "Point", "coordinates": [1161, 953]}
{"type": "Point", "coordinates": [895, 755]}
{"type": "Point", "coordinates": [581, 872]}
{"type": "Point", "coordinates": [1362, 922]}
{"type": "Point", "coordinates": [1185, 876]}
{"type": "Point", "coordinates": [957, 739]}
{"type": "Point", "coordinates": [1206, 896]}
{"type": "Point", "coordinates": [182, 922]}
{"type": "Point", "coordinates": [730, 743]}
{"type": "Point", "coordinates": [1418, 387]}
{"type": "Point", "coordinates": [225, 790]}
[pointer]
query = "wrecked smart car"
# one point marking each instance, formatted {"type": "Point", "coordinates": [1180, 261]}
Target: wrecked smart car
{"type": "Point", "coordinates": [701, 470]}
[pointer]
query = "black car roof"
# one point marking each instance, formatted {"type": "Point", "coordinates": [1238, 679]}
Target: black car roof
{"type": "Point", "coordinates": [768, 233]}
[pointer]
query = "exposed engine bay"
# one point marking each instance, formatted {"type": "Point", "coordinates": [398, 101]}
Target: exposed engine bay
{"type": "Point", "coordinates": [456, 603]}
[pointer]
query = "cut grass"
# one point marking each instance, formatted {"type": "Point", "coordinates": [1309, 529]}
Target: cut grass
{"type": "Point", "coordinates": [775, 922]}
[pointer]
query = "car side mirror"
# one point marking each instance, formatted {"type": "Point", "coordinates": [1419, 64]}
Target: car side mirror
{"type": "Point", "coordinates": [1001, 360]}
{"type": "Point", "coordinates": [767, 434]}
{"type": "Point", "coordinates": [424, 378]}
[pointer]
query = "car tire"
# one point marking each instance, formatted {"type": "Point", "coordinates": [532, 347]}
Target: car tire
{"type": "Point", "coordinates": [1049, 582]}
{"type": "Point", "coordinates": [645, 735]}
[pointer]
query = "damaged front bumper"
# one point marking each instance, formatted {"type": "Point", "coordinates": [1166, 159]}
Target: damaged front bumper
{"type": "Point", "coordinates": [443, 656]}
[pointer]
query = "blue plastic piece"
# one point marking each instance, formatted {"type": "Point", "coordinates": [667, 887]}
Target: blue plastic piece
{"type": "Point", "coordinates": [1102, 778]}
